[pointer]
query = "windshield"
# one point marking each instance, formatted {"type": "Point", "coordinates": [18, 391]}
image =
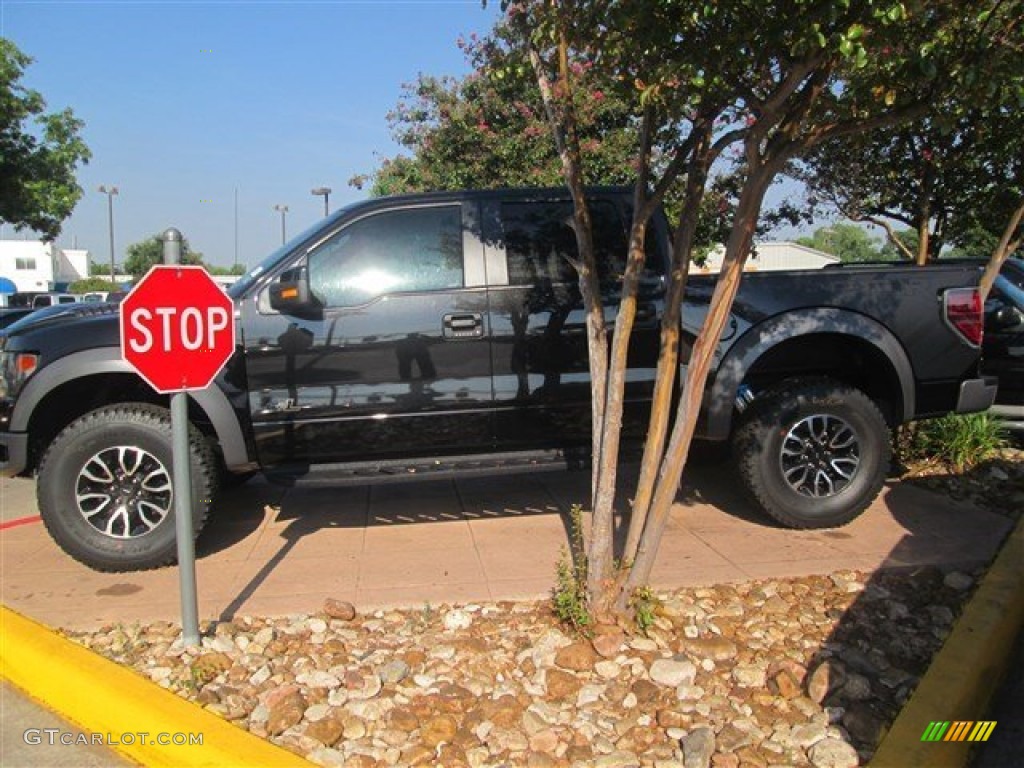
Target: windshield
{"type": "Point", "coordinates": [243, 284]}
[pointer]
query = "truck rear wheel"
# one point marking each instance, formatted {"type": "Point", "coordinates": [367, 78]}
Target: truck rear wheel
{"type": "Point", "coordinates": [105, 491]}
{"type": "Point", "coordinates": [812, 453]}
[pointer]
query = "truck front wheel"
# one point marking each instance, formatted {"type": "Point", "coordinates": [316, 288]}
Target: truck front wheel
{"type": "Point", "coordinates": [812, 453]}
{"type": "Point", "coordinates": [105, 490]}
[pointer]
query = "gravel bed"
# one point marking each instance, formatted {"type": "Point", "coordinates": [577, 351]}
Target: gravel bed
{"type": "Point", "coordinates": [787, 672]}
{"type": "Point", "coordinates": [995, 485]}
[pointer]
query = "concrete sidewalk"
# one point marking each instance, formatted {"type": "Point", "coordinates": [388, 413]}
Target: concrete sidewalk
{"type": "Point", "coordinates": [270, 550]}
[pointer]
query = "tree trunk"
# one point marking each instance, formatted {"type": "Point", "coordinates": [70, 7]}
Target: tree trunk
{"type": "Point", "coordinates": [924, 217]}
{"type": "Point", "coordinates": [668, 357]}
{"type": "Point", "coordinates": [671, 470]}
{"type": "Point", "coordinates": [601, 552]}
{"type": "Point", "coordinates": [562, 122]}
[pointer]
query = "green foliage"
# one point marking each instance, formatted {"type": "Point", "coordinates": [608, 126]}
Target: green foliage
{"type": "Point", "coordinates": [235, 269]}
{"type": "Point", "coordinates": [645, 605]}
{"type": "Point", "coordinates": [908, 238]}
{"type": "Point", "coordinates": [150, 252]}
{"type": "Point", "coordinates": [847, 241]}
{"type": "Point", "coordinates": [569, 596]}
{"type": "Point", "coordinates": [744, 87]}
{"type": "Point", "coordinates": [958, 441]}
{"type": "Point", "coordinates": [957, 170]}
{"type": "Point", "coordinates": [975, 242]}
{"type": "Point", "coordinates": [39, 153]}
{"type": "Point", "coordinates": [489, 129]}
{"type": "Point", "coordinates": [90, 284]}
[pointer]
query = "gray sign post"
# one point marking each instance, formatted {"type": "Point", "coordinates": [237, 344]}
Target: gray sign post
{"type": "Point", "coordinates": [182, 479]}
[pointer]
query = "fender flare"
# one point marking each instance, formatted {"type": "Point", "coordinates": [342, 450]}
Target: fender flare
{"type": "Point", "coordinates": [742, 356]}
{"type": "Point", "coordinates": [212, 401]}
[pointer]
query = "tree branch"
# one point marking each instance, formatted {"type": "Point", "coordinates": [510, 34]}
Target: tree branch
{"type": "Point", "coordinates": [891, 235]}
{"type": "Point", "coordinates": [790, 85]}
{"type": "Point", "coordinates": [1007, 245]}
{"type": "Point", "coordinates": [849, 127]}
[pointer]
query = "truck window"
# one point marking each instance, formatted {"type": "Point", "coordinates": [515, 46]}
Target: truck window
{"type": "Point", "coordinates": [540, 241]}
{"type": "Point", "coordinates": [415, 249]}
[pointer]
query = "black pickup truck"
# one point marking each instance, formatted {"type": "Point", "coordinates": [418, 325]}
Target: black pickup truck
{"type": "Point", "coordinates": [445, 333]}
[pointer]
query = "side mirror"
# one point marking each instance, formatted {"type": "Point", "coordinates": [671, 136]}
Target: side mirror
{"type": "Point", "coordinates": [1007, 317]}
{"type": "Point", "coordinates": [290, 294]}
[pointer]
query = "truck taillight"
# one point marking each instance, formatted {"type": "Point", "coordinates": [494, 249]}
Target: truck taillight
{"type": "Point", "coordinates": [963, 312]}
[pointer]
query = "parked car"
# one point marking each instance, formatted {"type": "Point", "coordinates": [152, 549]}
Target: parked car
{"type": "Point", "coordinates": [95, 297]}
{"type": "Point", "coordinates": [445, 333]}
{"type": "Point", "coordinates": [10, 315]}
{"type": "Point", "coordinates": [1003, 350]}
{"type": "Point", "coordinates": [49, 299]}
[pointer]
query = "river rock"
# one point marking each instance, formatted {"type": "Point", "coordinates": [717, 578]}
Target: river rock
{"type": "Point", "coordinates": [285, 708]}
{"type": "Point", "coordinates": [673, 672]}
{"type": "Point", "coordinates": [716, 648]}
{"type": "Point", "coordinates": [961, 582]}
{"type": "Point", "coordinates": [698, 747]}
{"type": "Point", "coordinates": [578, 657]}
{"type": "Point", "coordinates": [438, 729]}
{"type": "Point", "coordinates": [826, 678]}
{"type": "Point", "coordinates": [339, 609]}
{"type": "Point", "coordinates": [327, 731]}
{"type": "Point", "coordinates": [560, 684]}
{"type": "Point", "coordinates": [608, 641]}
{"type": "Point", "coordinates": [393, 672]}
{"type": "Point", "coordinates": [749, 676]}
{"type": "Point", "coordinates": [833, 753]}
{"type": "Point", "coordinates": [456, 620]}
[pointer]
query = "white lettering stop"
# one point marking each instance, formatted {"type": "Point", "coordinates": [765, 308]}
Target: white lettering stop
{"type": "Point", "coordinates": [190, 329]}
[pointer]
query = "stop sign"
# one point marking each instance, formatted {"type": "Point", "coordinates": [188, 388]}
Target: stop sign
{"type": "Point", "coordinates": [177, 328]}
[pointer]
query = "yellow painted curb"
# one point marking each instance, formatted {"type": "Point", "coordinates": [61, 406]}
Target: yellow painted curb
{"type": "Point", "coordinates": [967, 670]}
{"type": "Point", "coordinates": [105, 698]}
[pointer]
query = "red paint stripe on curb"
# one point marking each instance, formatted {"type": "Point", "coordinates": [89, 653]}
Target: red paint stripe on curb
{"type": "Point", "coordinates": [20, 521]}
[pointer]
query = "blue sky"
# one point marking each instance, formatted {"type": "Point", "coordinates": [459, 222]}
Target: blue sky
{"type": "Point", "coordinates": [185, 101]}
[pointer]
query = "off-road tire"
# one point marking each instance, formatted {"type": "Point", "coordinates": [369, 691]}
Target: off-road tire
{"type": "Point", "coordinates": [79, 490]}
{"type": "Point", "coordinates": [799, 440]}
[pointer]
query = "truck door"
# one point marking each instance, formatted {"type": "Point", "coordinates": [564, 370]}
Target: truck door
{"type": "Point", "coordinates": [399, 363]}
{"type": "Point", "coordinates": [539, 338]}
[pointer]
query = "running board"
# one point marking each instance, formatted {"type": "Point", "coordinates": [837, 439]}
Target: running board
{"type": "Point", "coordinates": [403, 470]}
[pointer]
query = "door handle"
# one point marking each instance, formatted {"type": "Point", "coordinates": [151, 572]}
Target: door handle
{"type": "Point", "coordinates": [467, 325]}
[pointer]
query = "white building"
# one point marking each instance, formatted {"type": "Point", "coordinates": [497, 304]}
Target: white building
{"type": "Point", "coordinates": [37, 266]}
{"type": "Point", "coordinates": [774, 256]}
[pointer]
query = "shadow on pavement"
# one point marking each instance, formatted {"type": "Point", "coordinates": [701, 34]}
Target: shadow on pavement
{"type": "Point", "coordinates": [885, 640]}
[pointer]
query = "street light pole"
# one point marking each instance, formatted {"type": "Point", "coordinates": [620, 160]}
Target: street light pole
{"type": "Point", "coordinates": [283, 209]}
{"type": "Point", "coordinates": [110, 192]}
{"type": "Point", "coordinates": [325, 192]}
{"type": "Point", "coordinates": [236, 227]}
